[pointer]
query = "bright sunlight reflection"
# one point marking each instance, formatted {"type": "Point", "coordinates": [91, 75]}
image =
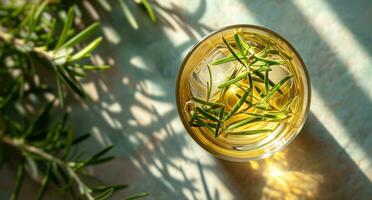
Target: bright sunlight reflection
{"type": "Point", "coordinates": [283, 182]}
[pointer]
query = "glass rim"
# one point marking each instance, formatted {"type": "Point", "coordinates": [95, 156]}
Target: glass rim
{"type": "Point", "coordinates": [179, 106]}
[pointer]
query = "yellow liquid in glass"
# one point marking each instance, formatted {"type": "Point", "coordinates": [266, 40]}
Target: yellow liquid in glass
{"type": "Point", "coordinates": [192, 82]}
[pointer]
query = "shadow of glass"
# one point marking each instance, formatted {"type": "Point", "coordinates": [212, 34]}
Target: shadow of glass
{"type": "Point", "coordinates": [313, 166]}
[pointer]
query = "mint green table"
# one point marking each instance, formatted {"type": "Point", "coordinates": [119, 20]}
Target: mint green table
{"type": "Point", "coordinates": [135, 104]}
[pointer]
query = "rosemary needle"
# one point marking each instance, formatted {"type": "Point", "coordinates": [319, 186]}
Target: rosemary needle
{"type": "Point", "coordinates": [209, 85]}
{"type": "Point", "coordinates": [233, 52]}
{"type": "Point", "coordinates": [250, 132]}
{"type": "Point", "coordinates": [220, 116]}
{"type": "Point", "coordinates": [206, 114]}
{"type": "Point", "coordinates": [232, 81]}
{"type": "Point", "coordinates": [276, 87]}
{"type": "Point", "coordinates": [207, 103]}
{"type": "Point", "coordinates": [253, 73]}
{"type": "Point", "coordinates": [240, 102]}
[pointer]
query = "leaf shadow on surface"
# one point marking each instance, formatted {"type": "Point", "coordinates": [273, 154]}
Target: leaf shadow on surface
{"type": "Point", "coordinates": [135, 105]}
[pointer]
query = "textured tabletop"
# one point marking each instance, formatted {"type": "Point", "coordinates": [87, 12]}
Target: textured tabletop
{"type": "Point", "coordinates": [134, 103]}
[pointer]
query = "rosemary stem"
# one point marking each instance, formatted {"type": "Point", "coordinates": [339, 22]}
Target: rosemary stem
{"type": "Point", "coordinates": [18, 42]}
{"type": "Point", "coordinates": [37, 151]}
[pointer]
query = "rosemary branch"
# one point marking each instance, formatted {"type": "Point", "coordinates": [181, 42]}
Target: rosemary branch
{"type": "Point", "coordinates": [19, 144]}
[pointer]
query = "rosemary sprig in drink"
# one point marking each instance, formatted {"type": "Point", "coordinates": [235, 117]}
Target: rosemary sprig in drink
{"type": "Point", "coordinates": [250, 85]}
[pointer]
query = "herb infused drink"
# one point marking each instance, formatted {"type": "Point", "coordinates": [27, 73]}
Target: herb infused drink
{"type": "Point", "coordinates": [243, 93]}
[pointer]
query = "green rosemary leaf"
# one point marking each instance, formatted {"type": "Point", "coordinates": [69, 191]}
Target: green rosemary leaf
{"type": "Point", "coordinates": [220, 116]}
{"type": "Point", "coordinates": [232, 81]}
{"type": "Point", "coordinates": [60, 92]}
{"type": "Point", "coordinates": [233, 52]}
{"type": "Point", "coordinates": [250, 86]}
{"type": "Point", "coordinates": [28, 17]}
{"type": "Point", "coordinates": [66, 28]}
{"type": "Point", "coordinates": [243, 43]}
{"type": "Point", "coordinates": [238, 104]}
{"type": "Point", "coordinates": [276, 88]}
{"type": "Point", "coordinates": [207, 115]}
{"type": "Point", "coordinates": [207, 103]}
{"type": "Point", "coordinates": [250, 132]}
{"type": "Point", "coordinates": [93, 67]}
{"type": "Point", "coordinates": [264, 68]}
{"type": "Point", "coordinates": [239, 54]}
{"type": "Point", "coordinates": [137, 196]}
{"type": "Point", "coordinates": [32, 165]}
{"type": "Point", "coordinates": [239, 44]}
{"type": "Point", "coordinates": [104, 5]}
{"type": "Point", "coordinates": [76, 73]}
{"type": "Point", "coordinates": [239, 96]}
{"type": "Point", "coordinates": [149, 10]}
{"type": "Point", "coordinates": [74, 86]}
{"type": "Point", "coordinates": [215, 111]}
{"type": "Point", "coordinates": [103, 188]}
{"type": "Point", "coordinates": [100, 160]}
{"type": "Point", "coordinates": [243, 122]}
{"type": "Point", "coordinates": [194, 114]}
{"type": "Point", "coordinates": [81, 138]}
{"type": "Point", "coordinates": [19, 180]}
{"type": "Point", "coordinates": [262, 77]}
{"type": "Point", "coordinates": [195, 124]}
{"type": "Point", "coordinates": [44, 183]}
{"type": "Point", "coordinates": [208, 91]}
{"type": "Point", "coordinates": [105, 194]}
{"type": "Point", "coordinates": [86, 50]}
{"type": "Point", "coordinates": [278, 118]}
{"type": "Point", "coordinates": [270, 115]}
{"type": "Point", "coordinates": [262, 106]}
{"type": "Point", "coordinates": [258, 63]}
{"type": "Point", "coordinates": [203, 124]}
{"type": "Point", "coordinates": [269, 61]}
{"type": "Point", "coordinates": [258, 91]}
{"type": "Point", "coordinates": [226, 59]}
{"type": "Point", "coordinates": [102, 152]}
{"type": "Point", "coordinates": [198, 124]}
{"type": "Point", "coordinates": [209, 85]}
{"type": "Point", "coordinates": [39, 10]}
{"type": "Point", "coordinates": [54, 176]}
{"type": "Point", "coordinates": [266, 80]}
{"type": "Point", "coordinates": [263, 52]}
{"type": "Point", "coordinates": [81, 36]}
{"type": "Point", "coordinates": [128, 14]}
{"type": "Point", "coordinates": [257, 79]}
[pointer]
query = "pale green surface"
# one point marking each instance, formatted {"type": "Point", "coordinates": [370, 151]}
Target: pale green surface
{"type": "Point", "coordinates": [135, 103]}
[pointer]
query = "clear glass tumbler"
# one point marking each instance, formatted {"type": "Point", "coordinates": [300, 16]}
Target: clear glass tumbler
{"type": "Point", "coordinates": [244, 148]}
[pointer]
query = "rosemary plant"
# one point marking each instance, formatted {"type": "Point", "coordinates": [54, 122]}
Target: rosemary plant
{"type": "Point", "coordinates": [42, 59]}
{"type": "Point", "coordinates": [255, 90]}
